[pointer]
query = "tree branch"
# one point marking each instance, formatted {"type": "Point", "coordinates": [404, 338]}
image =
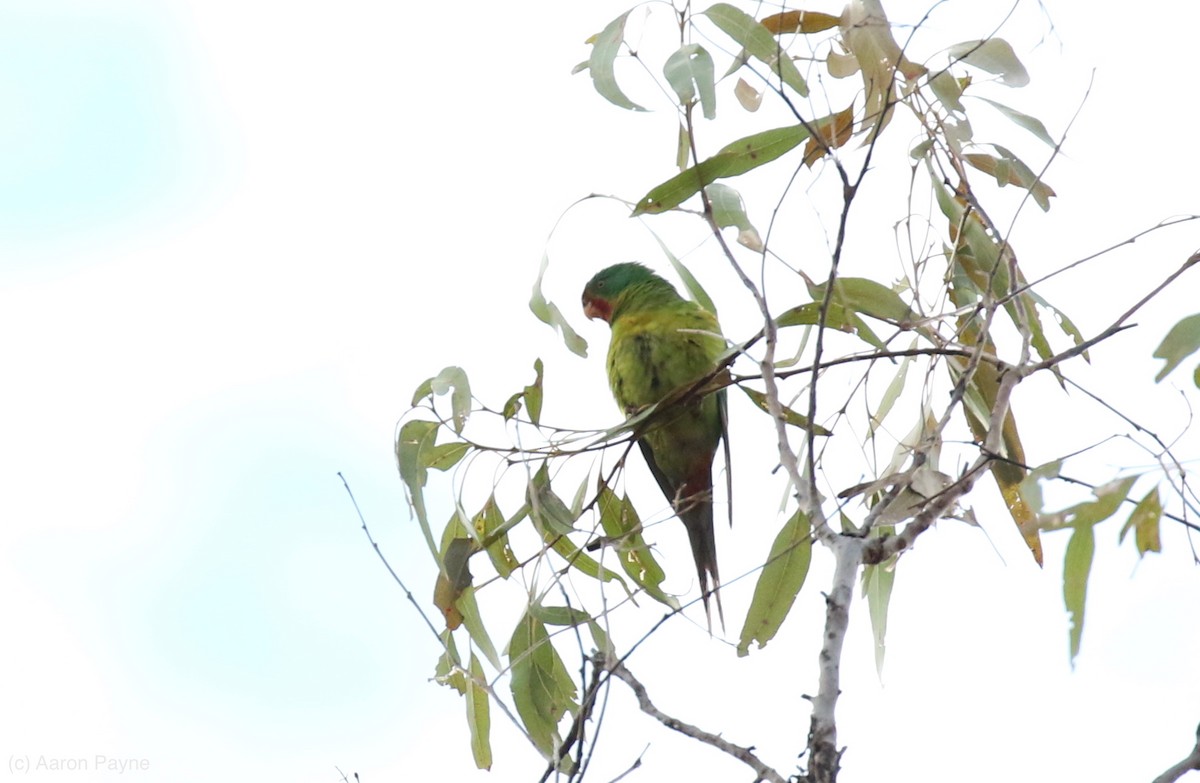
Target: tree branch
{"type": "Point", "coordinates": [1189, 763]}
{"type": "Point", "coordinates": [744, 755]}
{"type": "Point", "coordinates": [824, 756]}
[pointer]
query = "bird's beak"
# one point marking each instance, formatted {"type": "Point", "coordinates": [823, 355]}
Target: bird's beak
{"type": "Point", "coordinates": [596, 308]}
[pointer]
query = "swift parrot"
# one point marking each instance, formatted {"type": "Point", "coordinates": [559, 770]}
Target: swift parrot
{"type": "Point", "coordinates": [660, 342]}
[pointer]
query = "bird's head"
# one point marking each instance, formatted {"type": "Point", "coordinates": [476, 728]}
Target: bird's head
{"type": "Point", "coordinates": [603, 293]}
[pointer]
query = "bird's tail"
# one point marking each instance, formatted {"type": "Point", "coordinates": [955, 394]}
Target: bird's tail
{"type": "Point", "coordinates": [697, 516]}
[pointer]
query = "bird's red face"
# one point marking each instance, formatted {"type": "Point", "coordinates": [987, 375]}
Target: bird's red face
{"type": "Point", "coordinates": [597, 307]}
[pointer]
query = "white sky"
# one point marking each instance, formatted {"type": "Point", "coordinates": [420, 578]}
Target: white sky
{"type": "Point", "coordinates": [235, 238]}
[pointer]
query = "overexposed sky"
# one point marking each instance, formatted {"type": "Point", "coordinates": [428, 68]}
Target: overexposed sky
{"type": "Point", "coordinates": [235, 237]}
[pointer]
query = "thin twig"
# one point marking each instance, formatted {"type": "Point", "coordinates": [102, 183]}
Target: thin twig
{"type": "Point", "coordinates": [407, 593]}
{"type": "Point", "coordinates": [744, 755]}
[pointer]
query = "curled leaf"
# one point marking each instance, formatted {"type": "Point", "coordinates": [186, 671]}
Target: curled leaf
{"type": "Point", "coordinates": [993, 55]}
{"type": "Point", "coordinates": [690, 70]}
{"type": "Point", "coordinates": [548, 313]}
{"type": "Point", "coordinates": [606, 45]}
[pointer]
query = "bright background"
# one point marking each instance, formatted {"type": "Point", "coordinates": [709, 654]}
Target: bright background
{"type": "Point", "coordinates": [234, 238]}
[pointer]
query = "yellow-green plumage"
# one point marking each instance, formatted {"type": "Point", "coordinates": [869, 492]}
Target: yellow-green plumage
{"type": "Point", "coordinates": [660, 342]}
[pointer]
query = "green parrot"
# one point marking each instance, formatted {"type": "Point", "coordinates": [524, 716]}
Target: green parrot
{"type": "Point", "coordinates": [660, 342]}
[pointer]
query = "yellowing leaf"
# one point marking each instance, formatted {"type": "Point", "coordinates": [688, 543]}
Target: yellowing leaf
{"type": "Point", "coordinates": [1010, 170]}
{"type": "Point", "coordinates": [453, 578]}
{"type": "Point", "coordinates": [804, 22]}
{"type": "Point", "coordinates": [868, 35]}
{"type": "Point", "coordinates": [746, 95]}
{"type": "Point", "coordinates": [833, 131]}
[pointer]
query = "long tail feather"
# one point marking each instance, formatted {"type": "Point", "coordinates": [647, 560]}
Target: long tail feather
{"type": "Point", "coordinates": [699, 523]}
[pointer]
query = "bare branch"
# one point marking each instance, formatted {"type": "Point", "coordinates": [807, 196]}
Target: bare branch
{"type": "Point", "coordinates": [1190, 762]}
{"type": "Point", "coordinates": [744, 755]}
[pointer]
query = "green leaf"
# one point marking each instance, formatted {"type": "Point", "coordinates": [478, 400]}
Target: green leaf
{"type": "Point", "coordinates": [606, 45]}
{"type": "Point", "coordinates": [863, 295]}
{"type": "Point", "coordinates": [548, 313]}
{"type": "Point", "coordinates": [446, 455]}
{"type": "Point", "coordinates": [454, 380]}
{"type": "Point", "coordinates": [877, 581]}
{"type": "Point", "coordinates": [789, 416]}
{"type": "Point", "coordinates": [736, 158]}
{"type": "Point", "coordinates": [473, 621]}
{"type": "Point", "coordinates": [1030, 487]}
{"type": "Point", "coordinates": [690, 70]}
{"type": "Point", "coordinates": [541, 686]}
{"type": "Point", "coordinates": [559, 615]}
{"type": "Point", "coordinates": [554, 521]}
{"type": "Point", "coordinates": [512, 406]}
{"type": "Point", "coordinates": [1109, 498]}
{"type": "Point", "coordinates": [1031, 124]}
{"type": "Point", "coordinates": [993, 55]}
{"type": "Point", "coordinates": [621, 524]}
{"type": "Point", "coordinates": [490, 530]}
{"type": "Point", "coordinates": [683, 148]}
{"type": "Point", "coordinates": [759, 42]}
{"type": "Point", "coordinates": [836, 317]}
{"type": "Point", "coordinates": [533, 394]}
{"type": "Point", "coordinates": [780, 581]}
{"type": "Point", "coordinates": [1078, 564]}
{"type": "Point", "coordinates": [1010, 170]}
{"type": "Point", "coordinates": [1181, 342]}
{"type": "Point", "coordinates": [890, 395]}
{"type": "Point", "coordinates": [948, 90]}
{"type": "Point", "coordinates": [448, 671]}
{"type": "Point", "coordinates": [600, 637]}
{"type": "Point", "coordinates": [694, 289]}
{"type": "Point", "coordinates": [1144, 522]}
{"type": "Point", "coordinates": [479, 720]}
{"type": "Point", "coordinates": [415, 440]}
{"type": "Point", "coordinates": [729, 210]}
